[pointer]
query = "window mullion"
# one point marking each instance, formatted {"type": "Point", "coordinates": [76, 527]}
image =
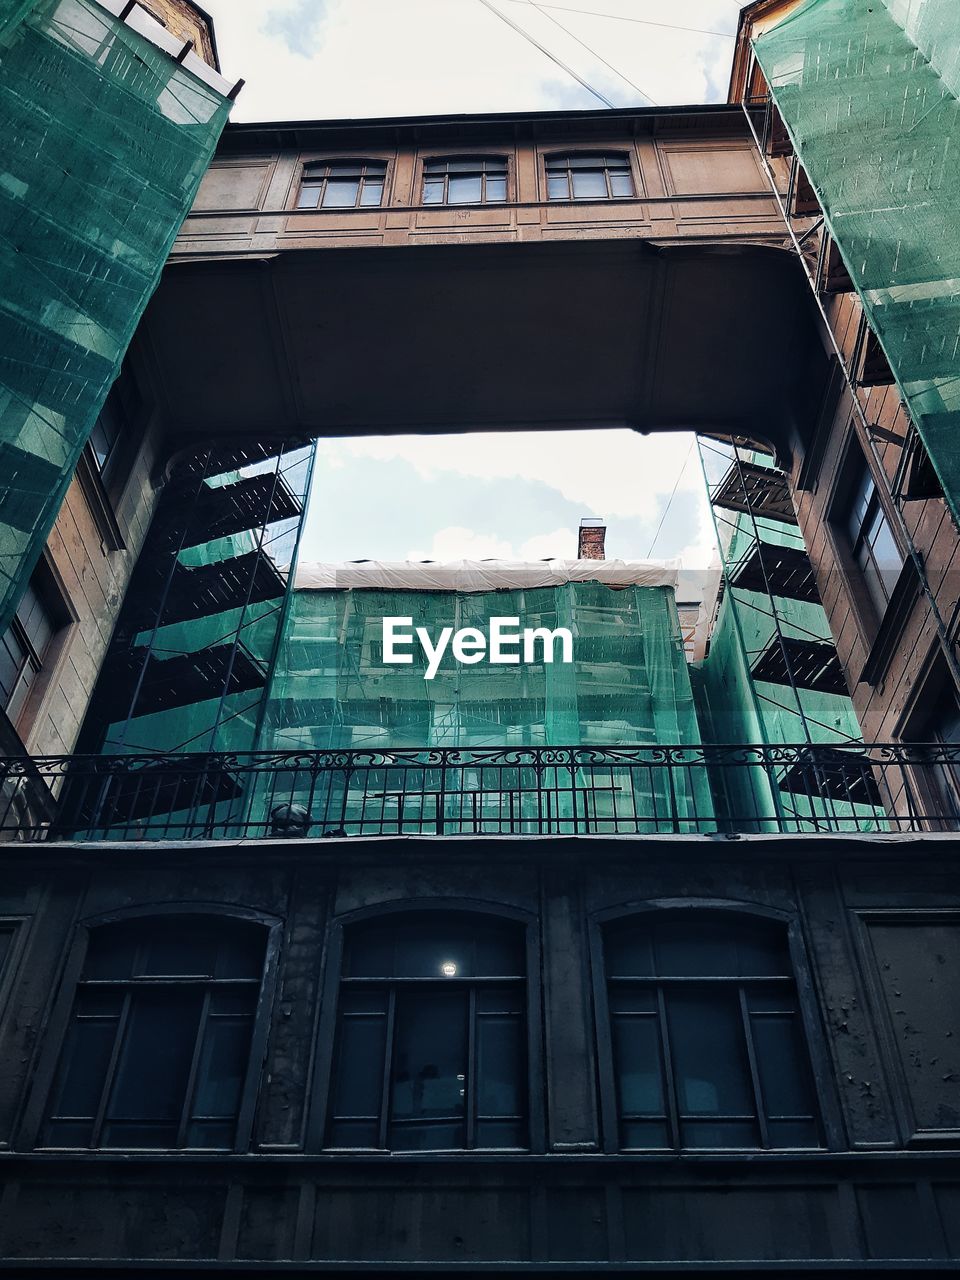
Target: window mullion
{"type": "Point", "coordinates": [187, 1109]}
{"type": "Point", "coordinates": [666, 1065]}
{"type": "Point", "coordinates": [754, 1070]}
{"type": "Point", "coordinates": [111, 1068]}
{"type": "Point", "coordinates": [470, 1083]}
{"type": "Point", "coordinates": [387, 1068]}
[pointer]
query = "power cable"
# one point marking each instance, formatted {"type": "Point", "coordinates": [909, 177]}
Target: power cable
{"type": "Point", "coordinates": [644, 22]}
{"type": "Point", "coordinates": [593, 53]}
{"type": "Point", "coordinates": [553, 58]}
{"type": "Point", "coordinates": [676, 486]}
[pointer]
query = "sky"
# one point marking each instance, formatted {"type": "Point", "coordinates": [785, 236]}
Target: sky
{"type": "Point", "coordinates": [482, 495]}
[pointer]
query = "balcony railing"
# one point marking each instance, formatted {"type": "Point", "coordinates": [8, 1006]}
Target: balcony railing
{"type": "Point", "coordinates": [635, 790]}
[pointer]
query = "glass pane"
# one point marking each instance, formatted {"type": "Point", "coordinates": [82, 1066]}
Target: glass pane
{"type": "Point", "coordinates": [782, 1064]}
{"type": "Point", "coordinates": [358, 1082]}
{"type": "Point", "coordinates": [433, 191]}
{"type": "Point", "coordinates": [372, 194]}
{"type": "Point", "coordinates": [6, 940]}
{"type": "Point", "coordinates": [557, 188]}
{"type": "Point", "coordinates": [589, 185]}
{"type": "Point", "coordinates": [772, 998]}
{"type": "Point", "coordinates": [644, 1134]}
{"type": "Point", "coordinates": [309, 196]}
{"type": "Point", "coordinates": [155, 1060]}
{"type": "Point", "coordinates": [621, 184]}
{"type": "Point", "coordinates": [240, 949]}
{"type": "Point", "coordinates": [632, 998]}
{"type": "Point", "coordinates": [83, 1069]}
{"type": "Point", "coordinates": [341, 193]}
{"type": "Point", "coordinates": [636, 1052]}
{"type": "Point", "coordinates": [464, 190]}
{"type": "Point", "coordinates": [718, 1133]}
{"type": "Point", "coordinates": [435, 945]}
{"type": "Point", "coordinates": [501, 1133]}
{"type": "Point", "coordinates": [222, 1067]}
{"type": "Point", "coordinates": [793, 1133]}
{"type": "Point", "coordinates": [464, 166]}
{"type": "Point", "coordinates": [709, 1056]}
{"type": "Point", "coordinates": [354, 1133]}
{"type": "Point", "coordinates": [179, 946]}
{"type": "Point", "coordinates": [111, 952]}
{"type": "Point", "coordinates": [211, 1133]}
{"type": "Point", "coordinates": [68, 1133]}
{"type": "Point", "coordinates": [12, 657]}
{"type": "Point", "coordinates": [496, 189]}
{"type": "Point", "coordinates": [435, 166]}
{"type": "Point", "coordinates": [345, 170]}
{"type": "Point", "coordinates": [586, 161]}
{"type": "Point", "coordinates": [629, 950]}
{"type": "Point", "coordinates": [696, 946]}
{"type": "Point", "coordinates": [500, 1066]}
{"type": "Point", "coordinates": [429, 1069]}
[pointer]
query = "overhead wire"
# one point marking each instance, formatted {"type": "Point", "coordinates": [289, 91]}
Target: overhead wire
{"type": "Point", "coordinates": [644, 22]}
{"type": "Point", "coordinates": [552, 56]}
{"type": "Point", "coordinates": [593, 53]}
{"type": "Point", "coordinates": [673, 494]}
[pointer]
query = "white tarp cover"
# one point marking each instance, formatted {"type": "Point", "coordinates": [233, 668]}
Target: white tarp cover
{"type": "Point", "coordinates": [482, 575]}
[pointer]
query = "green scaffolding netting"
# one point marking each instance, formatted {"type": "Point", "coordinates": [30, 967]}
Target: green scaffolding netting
{"type": "Point", "coordinates": [628, 684]}
{"type": "Point", "coordinates": [869, 95]}
{"type": "Point", "coordinates": [736, 706]}
{"type": "Point", "coordinates": [106, 140]}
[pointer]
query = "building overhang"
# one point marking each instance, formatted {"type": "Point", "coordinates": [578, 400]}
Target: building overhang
{"type": "Point", "coordinates": [447, 338]}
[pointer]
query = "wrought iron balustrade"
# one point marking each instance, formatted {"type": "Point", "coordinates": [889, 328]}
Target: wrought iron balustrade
{"type": "Point", "coordinates": [579, 790]}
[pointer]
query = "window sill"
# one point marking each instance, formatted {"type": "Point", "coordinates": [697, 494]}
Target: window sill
{"type": "Point", "coordinates": [101, 508]}
{"type": "Point", "coordinates": [894, 620]}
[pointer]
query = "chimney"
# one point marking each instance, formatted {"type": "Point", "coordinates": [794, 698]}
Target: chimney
{"type": "Point", "coordinates": [590, 543]}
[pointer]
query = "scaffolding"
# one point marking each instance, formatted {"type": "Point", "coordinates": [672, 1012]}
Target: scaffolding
{"type": "Point", "coordinates": [890, 73]}
{"type": "Point", "coordinates": [772, 675]}
{"type": "Point", "coordinates": [107, 138]}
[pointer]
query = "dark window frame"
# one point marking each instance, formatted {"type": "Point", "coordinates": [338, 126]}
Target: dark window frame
{"type": "Point", "coordinates": [434, 171]}
{"type": "Point", "coordinates": [50, 1053]}
{"type": "Point", "coordinates": [936, 785]}
{"type": "Point", "coordinates": [321, 1099]}
{"type": "Point", "coordinates": [317, 175]}
{"type": "Point", "coordinates": [45, 586]}
{"type": "Point", "coordinates": [560, 163]}
{"type": "Point", "coordinates": [827, 1115]}
{"type": "Point", "coordinates": [870, 592]}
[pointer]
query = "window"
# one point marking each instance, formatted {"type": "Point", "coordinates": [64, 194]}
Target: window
{"type": "Point", "coordinates": [936, 720]}
{"type": "Point", "coordinates": [158, 1047]}
{"type": "Point", "coordinates": [430, 1052]}
{"type": "Point", "coordinates": [477, 180]}
{"type": "Point", "coordinates": [707, 1045]}
{"type": "Point", "coordinates": [586, 177]}
{"type": "Point", "coordinates": [872, 544]}
{"type": "Point", "coordinates": [27, 642]}
{"type": "Point", "coordinates": [345, 184]}
{"type": "Point", "coordinates": [111, 430]}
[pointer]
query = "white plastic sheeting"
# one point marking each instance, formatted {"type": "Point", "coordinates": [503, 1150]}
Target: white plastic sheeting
{"type": "Point", "coordinates": [482, 575]}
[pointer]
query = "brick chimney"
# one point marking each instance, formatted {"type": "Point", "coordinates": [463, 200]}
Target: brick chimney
{"type": "Point", "coordinates": [593, 532]}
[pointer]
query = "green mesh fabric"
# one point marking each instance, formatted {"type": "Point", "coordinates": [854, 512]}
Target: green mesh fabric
{"type": "Point", "coordinates": [628, 684]}
{"type": "Point", "coordinates": [106, 142]}
{"type": "Point", "coordinates": [869, 95]}
{"type": "Point", "coordinates": [735, 706]}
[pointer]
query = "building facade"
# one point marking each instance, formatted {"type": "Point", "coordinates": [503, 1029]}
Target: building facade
{"type": "Point", "coordinates": [300, 972]}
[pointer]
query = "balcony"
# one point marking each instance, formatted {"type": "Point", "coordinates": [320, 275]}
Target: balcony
{"type": "Point", "coordinates": [480, 791]}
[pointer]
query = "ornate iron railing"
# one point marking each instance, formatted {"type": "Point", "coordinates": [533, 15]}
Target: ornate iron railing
{"type": "Point", "coordinates": [581, 790]}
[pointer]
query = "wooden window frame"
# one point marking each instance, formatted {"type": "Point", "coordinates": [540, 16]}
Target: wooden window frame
{"type": "Point", "coordinates": [64, 617]}
{"type": "Point", "coordinates": [561, 159]}
{"type": "Point", "coordinates": [36, 1114]}
{"type": "Point", "coordinates": [481, 172]}
{"type": "Point", "coordinates": [321, 177]}
{"type": "Point", "coordinates": [321, 1099]}
{"type": "Point", "coordinates": [827, 1115]}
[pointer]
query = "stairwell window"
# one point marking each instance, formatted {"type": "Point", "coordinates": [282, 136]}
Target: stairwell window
{"type": "Point", "coordinates": [343, 184]}
{"type": "Point", "coordinates": [589, 177]}
{"type": "Point", "coordinates": [707, 1046]}
{"type": "Point", "coordinates": [158, 1050]}
{"type": "Point", "coordinates": [30, 645]}
{"type": "Point", "coordinates": [872, 545]}
{"type": "Point", "coordinates": [475, 180]}
{"type": "Point", "coordinates": [431, 1035]}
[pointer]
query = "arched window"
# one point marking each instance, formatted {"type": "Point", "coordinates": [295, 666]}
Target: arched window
{"type": "Point", "coordinates": [431, 1035]}
{"type": "Point", "coordinates": [588, 177]}
{"type": "Point", "coordinates": [158, 1048]}
{"type": "Point", "coordinates": [342, 184]}
{"type": "Point", "coordinates": [707, 1042]}
{"type": "Point", "coordinates": [475, 180]}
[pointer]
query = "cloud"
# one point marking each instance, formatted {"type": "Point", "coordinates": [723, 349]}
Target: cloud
{"type": "Point", "coordinates": [316, 59]}
{"type": "Point", "coordinates": [455, 542]}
